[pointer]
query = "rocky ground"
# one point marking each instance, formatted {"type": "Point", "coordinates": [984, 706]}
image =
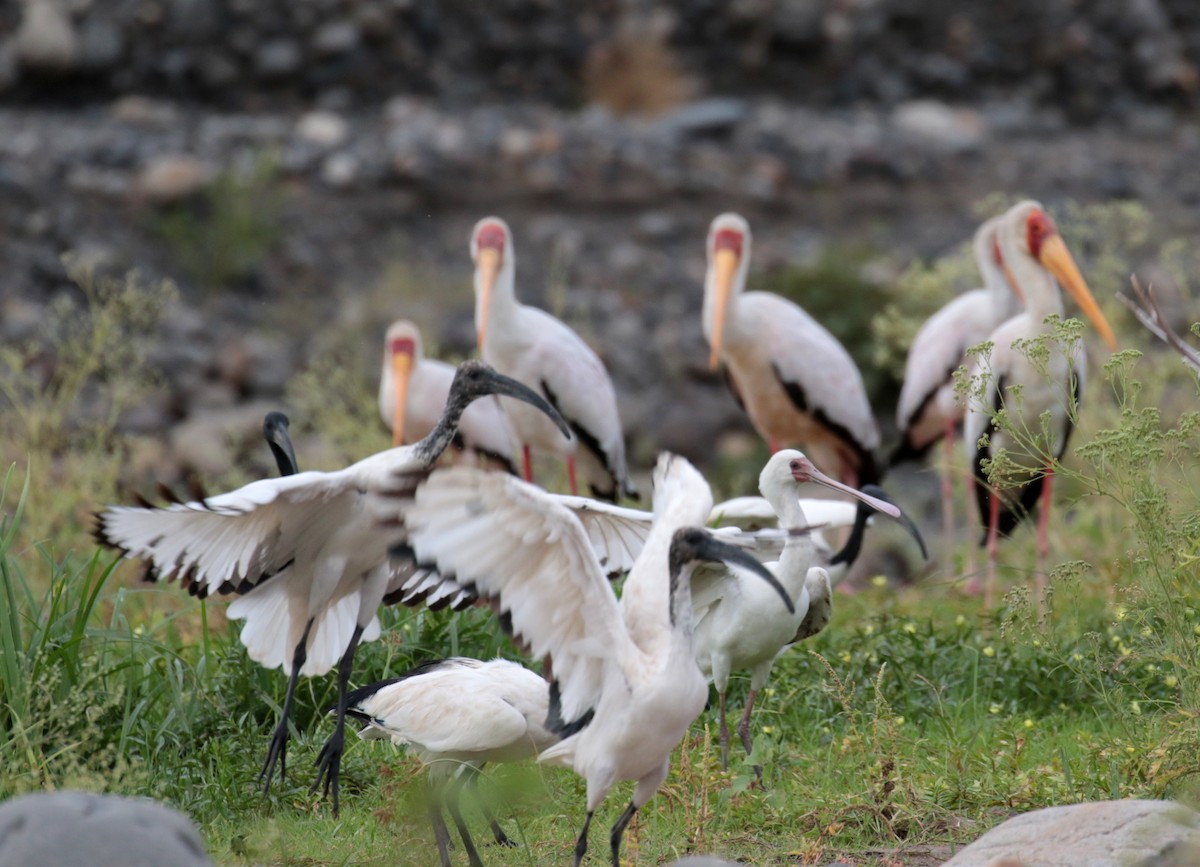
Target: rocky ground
{"type": "Point", "coordinates": [376, 132]}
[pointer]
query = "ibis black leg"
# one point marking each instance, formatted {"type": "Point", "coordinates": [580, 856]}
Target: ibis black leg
{"type": "Point", "coordinates": [744, 730]}
{"type": "Point", "coordinates": [581, 840]}
{"type": "Point", "coordinates": [618, 831]}
{"type": "Point", "coordinates": [329, 762]}
{"type": "Point", "coordinates": [502, 839]}
{"type": "Point", "coordinates": [723, 732]}
{"type": "Point", "coordinates": [278, 750]}
{"type": "Point", "coordinates": [455, 788]}
{"type": "Point", "coordinates": [440, 833]}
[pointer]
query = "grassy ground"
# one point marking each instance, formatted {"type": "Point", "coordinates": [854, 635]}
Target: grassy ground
{"type": "Point", "coordinates": [913, 723]}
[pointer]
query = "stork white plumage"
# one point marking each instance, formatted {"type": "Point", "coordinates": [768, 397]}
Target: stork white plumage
{"type": "Point", "coordinates": [737, 625]}
{"type": "Point", "coordinates": [456, 715]}
{"type": "Point", "coordinates": [626, 685]}
{"type": "Point", "coordinates": [1035, 255]}
{"type": "Point", "coordinates": [796, 381]}
{"type": "Point", "coordinates": [928, 408]}
{"type": "Point", "coordinates": [308, 551]}
{"type": "Point", "coordinates": [413, 390]}
{"type": "Point", "coordinates": [533, 347]}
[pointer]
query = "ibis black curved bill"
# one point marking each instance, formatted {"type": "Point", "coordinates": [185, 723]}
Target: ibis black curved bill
{"type": "Point", "coordinates": [475, 379]}
{"type": "Point", "coordinates": [694, 543]}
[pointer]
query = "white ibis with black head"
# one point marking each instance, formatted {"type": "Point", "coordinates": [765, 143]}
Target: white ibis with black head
{"type": "Point", "coordinates": [738, 626]}
{"type": "Point", "coordinates": [308, 551]}
{"type": "Point", "coordinates": [413, 389]}
{"type": "Point", "coordinates": [533, 347]}
{"type": "Point", "coordinates": [626, 686]}
{"type": "Point", "coordinates": [928, 408]}
{"type": "Point", "coordinates": [1036, 256]}
{"type": "Point", "coordinates": [797, 383]}
{"type": "Point", "coordinates": [456, 715]}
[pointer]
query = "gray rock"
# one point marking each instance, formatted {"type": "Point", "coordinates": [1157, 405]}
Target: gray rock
{"type": "Point", "coordinates": [171, 178]}
{"type": "Point", "coordinates": [1101, 834]}
{"type": "Point", "coordinates": [101, 43]}
{"type": "Point", "coordinates": [337, 37]}
{"type": "Point", "coordinates": [935, 123]}
{"type": "Point", "coordinates": [325, 129]}
{"type": "Point", "coordinates": [10, 66]}
{"type": "Point", "coordinates": [705, 117]}
{"type": "Point", "coordinates": [46, 41]}
{"type": "Point", "coordinates": [278, 58]}
{"type": "Point", "coordinates": [63, 829]}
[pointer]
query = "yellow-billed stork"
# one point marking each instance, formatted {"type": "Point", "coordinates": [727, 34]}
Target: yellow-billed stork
{"type": "Point", "coordinates": [533, 347]}
{"type": "Point", "coordinates": [1009, 379]}
{"type": "Point", "coordinates": [796, 381]}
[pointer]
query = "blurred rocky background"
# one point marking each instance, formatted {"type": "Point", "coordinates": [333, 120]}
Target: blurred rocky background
{"type": "Point", "coordinates": [307, 170]}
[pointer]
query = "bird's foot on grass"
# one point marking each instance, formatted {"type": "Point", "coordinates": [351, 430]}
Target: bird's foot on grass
{"type": "Point", "coordinates": [329, 765]}
{"type": "Point", "coordinates": [277, 754]}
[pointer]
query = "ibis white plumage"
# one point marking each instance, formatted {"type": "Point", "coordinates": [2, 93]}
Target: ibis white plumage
{"type": "Point", "coordinates": [740, 627]}
{"type": "Point", "coordinates": [413, 390]}
{"type": "Point", "coordinates": [533, 347]}
{"type": "Point", "coordinates": [456, 715]}
{"type": "Point", "coordinates": [796, 381]}
{"type": "Point", "coordinates": [1010, 379]}
{"type": "Point", "coordinates": [626, 686]}
{"type": "Point", "coordinates": [309, 553]}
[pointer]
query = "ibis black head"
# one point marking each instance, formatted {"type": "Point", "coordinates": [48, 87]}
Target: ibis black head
{"type": "Point", "coordinates": [275, 431]}
{"type": "Point", "coordinates": [692, 544]}
{"type": "Point", "coordinates": [475, 378]}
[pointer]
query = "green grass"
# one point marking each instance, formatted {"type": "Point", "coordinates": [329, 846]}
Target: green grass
{"type": "Point", "coordinates": [916, 719]}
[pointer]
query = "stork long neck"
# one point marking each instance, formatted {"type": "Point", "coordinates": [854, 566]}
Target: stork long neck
{"type": "Point", "coordinates": [1000, 294]}
{"type": "Point", "coordinates": [1042, 296]}
{"type": "Point", "coordinates": [503, 305]}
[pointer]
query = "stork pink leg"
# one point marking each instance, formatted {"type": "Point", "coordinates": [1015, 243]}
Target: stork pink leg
{"type": "Point", "coordinates": [993, 539]}
{"type": "Point", "coordinates": [571, 475]}
{"type": "Point", "coordinates": [526, 464]}
{"type": "Point", "coordinates": [948, 499]}
{"type": "Point", "coordinates": [1043, 541]}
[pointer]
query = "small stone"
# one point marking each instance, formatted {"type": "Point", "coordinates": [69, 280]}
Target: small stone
{"type": "Point", "coordinates": [169, 179]}
{"type": "Point", "coordinates": [322, 128]}
{"type": "Point", "coordinates": [933, 122]}
{"type": "Point", "coordinates": [46, 41]}
{"type": "Point", "coordinates": [101, 43]}
{"type": "Point", "coordinates": [340, 170]}
{"type": "Point", "coordinates": [337, 37]}
{"type": "Point", "coordinates": [706, 116]}
{"type": "Point", "coordinates": [10, 66]}
{"type": "Point", "coordinates": [278, 58]}
{"type": "Point", "coordinates": [217, 69]}
{"type": "Point", "coordinates": [144, 111]}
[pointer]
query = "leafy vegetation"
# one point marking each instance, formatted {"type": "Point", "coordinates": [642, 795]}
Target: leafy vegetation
{"type": "Point", "coordinates": [916, 718]}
